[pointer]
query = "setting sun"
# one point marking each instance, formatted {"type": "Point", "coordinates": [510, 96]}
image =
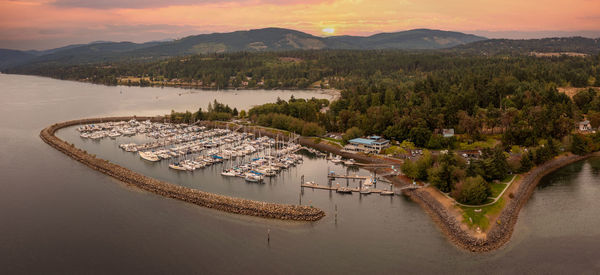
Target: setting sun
{"type": "Point", "coordinates": [328, 31]}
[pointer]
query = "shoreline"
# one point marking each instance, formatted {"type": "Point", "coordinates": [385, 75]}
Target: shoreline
{"type": "Point", "coordinates": [169, 190]}
{"type": "Point", "coordinates": [445, 217]}
{"type": "Point", "coordinates": [498, 234]}
{"type": "Point", "coordinates": [333, 93]}
{"type": "Point", "coordinates": [502, 227]}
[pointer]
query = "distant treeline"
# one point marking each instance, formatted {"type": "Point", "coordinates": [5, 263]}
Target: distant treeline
{"type": "Point", "coordinates": [401, 95]}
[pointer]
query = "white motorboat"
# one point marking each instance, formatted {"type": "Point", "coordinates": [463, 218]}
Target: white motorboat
{"type": "Point", "coordinates": [229, 173]}
{"type": "Point", "coordinates": [337, 159]}
{"type": "Point", "coordinates": [350, 162]}
{"type": "Point", "coordinates": [149, 156]}
{"type": "Point", "coordinates": [177, 166]}
{"type": "Point", "coordinates": [114, 134]}
{"type": "Point", "coordinates": [344, 190]}
{"type": "Point", "coordinates": [252, 177]}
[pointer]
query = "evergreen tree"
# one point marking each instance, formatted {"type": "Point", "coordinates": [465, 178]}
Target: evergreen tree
{"type": "Point", "coordinates": [526, 163]}
{"type": "Point", "coordinates": [579, 145]}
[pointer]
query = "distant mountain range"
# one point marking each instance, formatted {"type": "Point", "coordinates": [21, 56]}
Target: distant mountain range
{"type": "Point", "coordinates": [268, 39]}
{"type": "Point", "coordinates": [278, 39]}
{"type": "Point", "coordinates": [545, 45]}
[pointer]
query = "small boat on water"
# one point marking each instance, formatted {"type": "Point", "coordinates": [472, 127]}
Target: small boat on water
{"type": "Point", "coordinates": [368, 182]}
{"type": "Point", "coordinates": [114, 134]}
{"type": "Point", "coordinates": [337, 159]}
{"type": "Point", "coordinates": [149, 156]}
{"type": "Point", "coordinates": [253, 177]}
{"type": "Point", "coordinates": [177, 166]}
{"type": "Point", "coordinates": [386, 193]}
{"type": "Point", "coordinates": [365, 191]}
{"type": "Point", "coordinates": [344, 190]}
{"type": "Point", "coordinates": [350, 162]}
{"type": "Point", "coordinates": [229, 173]}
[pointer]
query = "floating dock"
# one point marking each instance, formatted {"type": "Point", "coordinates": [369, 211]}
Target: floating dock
{"type": "Point", "coordinates": [351, 189]}
{"type": "Point", "coordinates": [352, 177]}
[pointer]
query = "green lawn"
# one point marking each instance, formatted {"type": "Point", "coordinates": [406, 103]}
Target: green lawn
{"type": "Point", "coordinates": [480, 219]}
{"type": "Point", "coordinates": [508, 178]}
{"type": "Point", "coordinates": [490, 142]}
{"type": "Point", "coordinates": [332, 139]}
{"type": "Point", "coordinates": [497, 188]}
{"type": "Point", "coordinates": [394, 150]}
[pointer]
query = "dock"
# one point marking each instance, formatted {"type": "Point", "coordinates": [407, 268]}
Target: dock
{"type": "Point", "coordinates": [357, 189]}
{"type": "Point", "coordinates": [335, 188]}
{"type": "Point", "coordinates": [333, 176]}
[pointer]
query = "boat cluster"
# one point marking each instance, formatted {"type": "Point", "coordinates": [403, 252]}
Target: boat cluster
{"type": "Point", "coordinates": [183, 141]}
{"type": "Point", "coordinates": [338, 159]}
{"type": "Point", "coordinates": [267, 166]}
{"type": "Point", "coordinates": [189, 148]}
{"type": "Point", "coordinates": [273, 155]}
{"type": "Point", "coordinates": [115, 129]}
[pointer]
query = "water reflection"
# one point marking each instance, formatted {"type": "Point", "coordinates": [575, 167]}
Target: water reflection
{"type": "Point", "coordinates": [61, 217]}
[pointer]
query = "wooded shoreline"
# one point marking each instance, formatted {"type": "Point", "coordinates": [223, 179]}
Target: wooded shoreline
{"type": "Point", "coordinates": [498, 235]}
{"type": "Point", "coordinates": [500, 231]}
{"type": "Point", "coordinates": [205, 199]}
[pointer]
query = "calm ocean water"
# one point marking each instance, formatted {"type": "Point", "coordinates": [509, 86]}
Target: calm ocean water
{"type": "Point", "coordinates": [58, 216]}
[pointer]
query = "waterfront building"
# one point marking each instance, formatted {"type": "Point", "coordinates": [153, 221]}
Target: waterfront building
{"type": "Point", "coordinates": [447, 133]}
{"type": "Point", "coordinates": [368, 145]}
{"type": "Point", "coordinates": [585, 125]}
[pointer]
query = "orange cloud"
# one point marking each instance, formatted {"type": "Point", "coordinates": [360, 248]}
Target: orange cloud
{"type": "Point", "coordinates": [68, 19]}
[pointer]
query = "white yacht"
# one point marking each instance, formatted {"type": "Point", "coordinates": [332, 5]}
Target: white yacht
{"type": "Point", "coordinates": [149, 156]}
{"type": "Point", "coordinates": [177, 166]}
{"type": "Point", "coordinates": [337, 159]}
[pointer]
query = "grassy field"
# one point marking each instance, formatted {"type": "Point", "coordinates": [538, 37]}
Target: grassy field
{"type": "Point", "coordinates": [394, 150]}
{"type": "Point", "coordinates": [332, 139]}
{"type": "Point", "coordinates": [490, 142]}
{"type": "Point", "coordinates": [481, 219]}
{"type": "Point", "coordinates": [497, 188]}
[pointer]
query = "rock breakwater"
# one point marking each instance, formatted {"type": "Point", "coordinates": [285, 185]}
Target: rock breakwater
{"type": "Point", "coordinates": [210, 200]}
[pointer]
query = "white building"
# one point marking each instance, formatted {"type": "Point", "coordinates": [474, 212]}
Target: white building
{"type": "Point", "coordinates": [369, 145]}
{"type": "Point", "coordinates": [585, 125]}
{"type": "Point", "coordinates": [448, 132]}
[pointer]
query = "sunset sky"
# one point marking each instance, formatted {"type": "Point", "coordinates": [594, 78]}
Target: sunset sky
{"type": "Point", "coordinates": [43, 24]}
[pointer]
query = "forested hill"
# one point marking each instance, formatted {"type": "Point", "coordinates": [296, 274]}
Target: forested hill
{"type": "Point", "coordinates": [418, 39]}
{"type": "Point", "coordinates": [11, 58]}
{"type": "Point", "coordinates": [259, 40]}
{"type": "Point", "coordinates": [546, 45]}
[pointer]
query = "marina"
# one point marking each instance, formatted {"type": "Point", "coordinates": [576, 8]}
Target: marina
{"type": "Point", "coordinates": [68, 204]}
{"type": "Point", "coordinates": [191, 147]}
{"type": "Point", "coordinates": [188, 148]}
{"type": "Point", "coordinates": [348, 190]}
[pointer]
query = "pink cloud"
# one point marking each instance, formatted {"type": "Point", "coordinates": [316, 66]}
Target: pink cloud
{"type": "Point", "coordinates": [77, 20]}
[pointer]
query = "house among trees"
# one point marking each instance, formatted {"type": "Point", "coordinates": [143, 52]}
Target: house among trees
{"type": "Point", "coordinates": [369, 145]}
{"type": "Point", "coordinates": [447, 133]}
{"type": "Point", "coordinates": [585, 126]}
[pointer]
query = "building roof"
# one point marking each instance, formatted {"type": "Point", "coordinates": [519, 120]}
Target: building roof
{"type": "Point", "coordinates": [448, 132]}
{"type": "Point", "coordinates": [367, 141]}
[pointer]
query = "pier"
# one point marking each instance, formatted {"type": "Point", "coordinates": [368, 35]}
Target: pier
{"type": "Point", "coordinates": [357, 189]}
{"type": "Point", "coordinates": [333, 176]}
{"type": "Point", "coordinates": [350, 189]}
